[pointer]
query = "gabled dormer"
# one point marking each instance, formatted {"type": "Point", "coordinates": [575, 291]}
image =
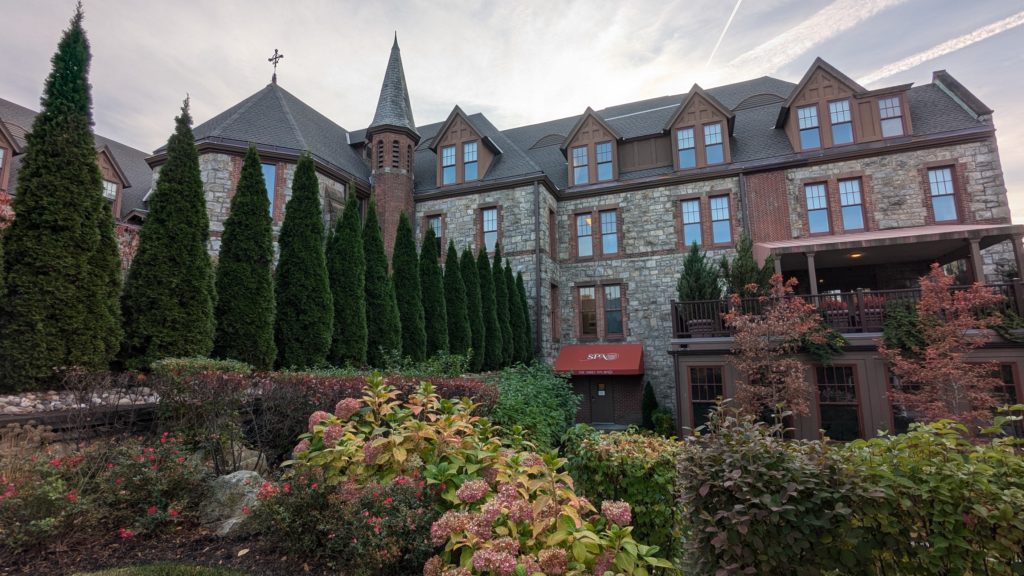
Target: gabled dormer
{"type": "Point", "coordinates": [700, 131]}
{"type": "Point", "coordinates": [114, 179]}
{"type": "Point", "coordinates": [463, 152]}
{"type": "Point", "coordinates": [828, 109]}
{"type": "Point", "coordinates": [591, 149]}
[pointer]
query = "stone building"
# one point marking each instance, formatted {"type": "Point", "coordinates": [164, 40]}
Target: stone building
{"type": "Point", "coordinates": [852, 191]}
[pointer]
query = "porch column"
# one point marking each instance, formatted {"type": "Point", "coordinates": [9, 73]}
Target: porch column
{"type": "Point", "coordinates": [1018, 253]}
{"type": "Point", "coordinates": [812, 274]}
{"type": "Point", "coordinates": [977, 264]}
{"type": "Point", "coordinates": [778, 265]}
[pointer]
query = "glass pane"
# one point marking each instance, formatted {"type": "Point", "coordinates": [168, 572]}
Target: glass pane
{"type": "Point", "coordinates": [889, 107]}
{"type": "Point", "coordinates": [892, 127]}
{"type": "Point", "coordinates": [817, 220]}
{"type": "Point", "coordinates": [807, 117]}
{"type": "Point", "coordinates": [604, 152]}
{"type": "Point", "coordinates": [584, 240]}
{"type": "Point", "coordinates": [490, 239]}
{"type": "Point", "coordinates": [469, 152]}
{"type": "Point", "coordinates": [714, 154]}
{"type": "Point", "coordinates": [613, 322]}
{"type": "Point", "coordinates": [490, 220]}
{"type": "Point", "coordinates": [842, 133]}
{"type": "Point", "coordinates": [470, 168]}
{"type": "Point", "coordinates": [816, 197]}
{"type": "Point", "coordinates": [684, 138]}
{"type": "Point", "coordinates": [448, 156]}
{"type": "Point", "coordinates": [712, 134]}
{"type": "Point", "coordinates": [840, 422]}
{"type": "Point", "coordinates": [853, 217]}
{"type": "Point", "coordinates": [579, 175]}
{"type": "Point", "coordinates": [701, 413]}
{"type": "Point", "coordinates": [691, 234]}
{"type": "Point", "coordinates": [721, 232]}
{"type": "Point", "coordinates": [609, 243]}
{"type": "Point", "coordinates": [720, 208]}
{"type": "Point", "coordinates": [944, 207]}
{"type": "Point", "coordinates": [687, 158]}
{"type": "Point", "coordinates": [691, 211]}
{"type": "Point", "coordinates": [579, 156]}
{"type": "Point", "coordinates": [810, 139]}
{"type": "Point", "coordinates": [588, 312]}
{"type": "Point", "coordinates": [849, 192]}
{"type": "Point", "coordinates": [270, 180]}
{"type": "Point", "coordinates": [940, 180]}
{"type": "Point", "coordinates": [609, 232]}
{"type": "Point", "coordinates": [448, 175]}
{"type": "Point", "coordinates": [604, 171]}
{"type": "Point", "coordinates": [839, 112]}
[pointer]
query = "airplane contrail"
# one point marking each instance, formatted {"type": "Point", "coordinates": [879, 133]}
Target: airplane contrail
{"type": "Point", "coordinates": [724, 30]}
{"type": "Point", "coordinates": [945, 48]}
{"type": "Point", "coordinates": [828, 22]}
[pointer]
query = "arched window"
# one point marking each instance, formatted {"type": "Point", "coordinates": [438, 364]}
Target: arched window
{"type": "Point", "coordinates": [395, 153]}
{"type": "Point", "coordinates": [380, 154]}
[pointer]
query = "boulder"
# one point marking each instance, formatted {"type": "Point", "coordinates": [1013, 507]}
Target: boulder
{"type": "Point", "coordinates": [229, 496]}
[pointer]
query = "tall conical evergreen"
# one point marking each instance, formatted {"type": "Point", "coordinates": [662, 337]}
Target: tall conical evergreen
{"type": "Point", "coordinates": [167, 302]}
{"type": "Point", "coordinates": [492, 334]}
{"type": "Point", "coordinates": [515, 316]}
{"type": "Point", "coordinates": [455, 303]}
{"type": "Point", "coordinates": [62, 274]}
{"type": "Point", "coordinates": [408, 293]}
{"type": "Point", "coordinates": [435, 310]}
{"type": "Point", "coordinates": [383, 327]}
{"type": "Point", "coordinates": [346, 267]}
{"type": "Point", "coordinates": [526, 355]}
{"type": "Point", "coordinates": [305, 309]}
{"type": "Point", "coordinates": [501, 306]}
{"type": "Point", "coordinates": [245, 285]}
{"type": "Point", "coordinates": [477, 335]}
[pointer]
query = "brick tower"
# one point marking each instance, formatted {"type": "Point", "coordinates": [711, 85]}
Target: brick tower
{"type": "Point", "coordinates": [390, 144]}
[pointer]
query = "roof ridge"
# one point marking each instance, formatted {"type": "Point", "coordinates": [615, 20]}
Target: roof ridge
{"type": "Point", "coordinates": [291, 119]}
{"type": "Point", "coordinates": [243, 106]}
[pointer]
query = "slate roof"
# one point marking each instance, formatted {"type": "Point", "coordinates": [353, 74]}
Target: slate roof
{"type": "Point", "coordinates": [18, 121]}
{"type": "Point", "coordinates": [274, 119]}
{"type": "Point", "coordinates": [393, 106]}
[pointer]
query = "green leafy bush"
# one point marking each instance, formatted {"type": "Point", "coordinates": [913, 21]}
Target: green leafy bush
{"type": "Point", "coordinates": [538, 400]}
{"type": "Point", "coordinates": [183, 367]}
{"type": "Point", "coordinates": [636, 468]}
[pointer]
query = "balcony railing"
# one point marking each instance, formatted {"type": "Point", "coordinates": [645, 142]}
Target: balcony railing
{"type": "Point", "coordinates": [847, 312]}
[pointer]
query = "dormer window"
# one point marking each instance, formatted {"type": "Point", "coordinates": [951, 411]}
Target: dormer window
{"type": "Point", "coordinates": [448, 165]}
{"type": "Point", "coordinates": [109, 188]}
{"type": "Point", "coordinates": [580, 165]}
{"type": "Point", "coordinates": [807, 118]}
{"type": "Point", "coordinates": [892, 116]}
{"type": "Point", "coordinates": [842, 123]}
{"type": "Point", "coordinates": [713, 152]}
{"type": "Point", "coordinates": [604, 161]}
{"type": "Point", "coordinates": [686, 147]}
{"type": "Point", "coordinates": [469, 162]}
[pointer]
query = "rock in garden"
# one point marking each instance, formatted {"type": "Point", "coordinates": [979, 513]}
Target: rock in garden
{"type": "Point", "coordinates": [229, 495]}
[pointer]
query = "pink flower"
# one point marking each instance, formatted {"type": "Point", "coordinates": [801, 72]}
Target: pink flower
{"type": "Point", "coordinates": [333, 433]}
{"type": "Point", "coordinates": [472, 491]}
{"type": "Point", "coordinates": [491, 560]}
{"type": "Point", "coordinates": [433, 566]}
{"type": "Point", "coordinates": [370, 453]}
{"type": "Point", "coordinates": [266, 491]}
{"type": "Point", "coordinates": [55, 462]}
{"type": "Point", "coordinates": [110, 465]}
{"type": "Point", "coordinates": [603, 563]}
{"type": "Point", "coordinates": [246, 510]}
{"type": "Point", "coordinates": [451, 522]}
{"type": "Point", "coordinates": [531, 460]}
{"type": "Point", "coordinates": [172, 513]}
{"type": "Point", "coordinates": [520, 511]}
{"type": "Point", "coordinates": [553, 561]}
{"type": "Point", "coordinates": [151, 510]}
{"type": "Point", "coordinates": [125, 533]}
{"type": "Point", "coordinates": [316, 418]}
{"type": "Point", "coordinates": [72, 496]}
{"type": "Point", "coordinates": [313, 487]}
{"type": "Point", "coordinates": [346, 408]}
{"type": "Point", "coordinates": [617, 512]}
{"type": "Point", "coordinates": [302, 446]}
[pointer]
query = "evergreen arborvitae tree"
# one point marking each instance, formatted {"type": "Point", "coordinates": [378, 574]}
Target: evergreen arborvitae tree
{"type": "Point", "coordinates": [245, 283]}
{"type": "Point", "coordinates": [383, 327]}
{"type": "Point", "coordinates": [501, 306]}
{"type": "Point", "coordinates": [305, 309]}
{"type": "Point", "coordinates": [435, 312]}
{"type": "Point", "coordinates": [515, 316]}
{"type": "Point", "coordinates": [477, 334]}
{"type": "Point", "coordinates": [492, 333]}
{"type": "Point", "coordinates": [61, 270]}
{"type": "Point", "coordinates": [455, 303]}
{"type": "Point", "coordinates": [743, 269]}
{"type": "Point", "coordinates": [527, 356]}
{"type": "Point", "coordinates": [408, 293]}
{"type": "Point", "coordinates": [346, 267]}
{"type": "Point", "coordinates": [167, 302]}
{"type": "Point", "coordinates": [699, 279]}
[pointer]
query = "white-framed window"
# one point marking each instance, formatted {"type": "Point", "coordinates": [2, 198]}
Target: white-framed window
{"type": "Point", "coordinates": [584, 236]}
{"type": "Point", "coordinates": [691, 222]}
{"type": "Point", "coordinates": [604, 161]}
{"type": "Point", "coordinates": [109, 188]}
{"type": "Point", "coordinates": [714, 153]}
{"type": "Point", "coordinates": [469, 161]}
{"type": "Point", "coordinates": [807, 121]}
{"type": "Point", "coordinates": [721, 223]}
{"type": "Point", "coordinates": [943, 193]}
{"type": "Point", "coordinates": [892, 116]}
{"type": "Point", "coordinates": [686, 147]}
{"type": "Point", "coordinates": [817, 208]}
{"type": "Point", "coordinates": [842, 122]}
{"type": "Point", "coordinates": [852, 204]}
{"type": "Point", "coordinates": [448, 165]}
{"type": "Point", "coordinates": [489, 217]}
{"type": "Point", "coordinates": [609, 231]}
{"type": "Point", "coordinates": [580, 165]}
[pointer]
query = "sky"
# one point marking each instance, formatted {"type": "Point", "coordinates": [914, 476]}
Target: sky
{"type": "Point", "coordinates": [516, 62]}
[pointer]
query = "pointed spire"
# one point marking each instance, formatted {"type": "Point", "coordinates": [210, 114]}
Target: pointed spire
{"type": "Point", "coordinates": [393, 107]}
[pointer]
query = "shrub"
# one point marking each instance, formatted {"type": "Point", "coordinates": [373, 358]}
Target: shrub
{"type": "Point", "coordinates": [538, 400]}
{"type": "Point", "coordinates": [635, 468]}
{"type": "Point", "coordinates": [183, 367]}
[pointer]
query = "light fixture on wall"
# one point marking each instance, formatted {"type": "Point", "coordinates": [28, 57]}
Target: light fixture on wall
{"type": "Point", "coordinates": [856, 254]}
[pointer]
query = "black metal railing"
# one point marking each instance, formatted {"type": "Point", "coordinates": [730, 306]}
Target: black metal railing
{"type": "Point", "coordinates": [847, 312]}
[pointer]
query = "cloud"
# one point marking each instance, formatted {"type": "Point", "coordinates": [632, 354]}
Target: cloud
{"type": "Point", "coordinates": [945, 48]}
{"type": "Point", "coordinates": [828, 22]}
{"type": "Point", "coordinates": [724, 30]}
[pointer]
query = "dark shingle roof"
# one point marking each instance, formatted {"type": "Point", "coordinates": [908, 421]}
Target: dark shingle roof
{"type": "Point", "coordinates": [274, 118]}
{"type": "Point", "coordinates": [393, 106]}
{"type": "Point", "coordinates": [932, 111]}
{"type": "Point", "coordinates": [18, 121]}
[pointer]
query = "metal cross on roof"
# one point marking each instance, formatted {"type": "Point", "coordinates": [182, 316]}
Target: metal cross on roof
{"type": "Point", "coordinates": [274, 60]}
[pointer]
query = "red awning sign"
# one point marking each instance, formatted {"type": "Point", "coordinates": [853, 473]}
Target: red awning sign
{"type": "Point", "coordinates": [601, 359]}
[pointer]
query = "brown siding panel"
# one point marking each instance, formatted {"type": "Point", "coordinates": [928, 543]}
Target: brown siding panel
{"type": "Point", "coordinates": [769, 206]}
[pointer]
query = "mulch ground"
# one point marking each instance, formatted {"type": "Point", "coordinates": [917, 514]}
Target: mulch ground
{"type": "Point", "coordinates": [188, 545]}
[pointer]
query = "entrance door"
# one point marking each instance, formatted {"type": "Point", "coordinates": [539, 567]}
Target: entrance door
{"type": "Point", "coordinates": [602, 404]}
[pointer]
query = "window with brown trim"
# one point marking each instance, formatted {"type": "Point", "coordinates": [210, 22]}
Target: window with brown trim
{"type": "Point", "coordinates": [584, 235]}
{"type": "Point", "coordinates": [817, 208]}
{"type": "Point", "coordinates": [686, 148]}
{"type": "Point", "coordinates": [434, 222]}
{"type": "Point", "coordinates": [842, 122]}
{"type": "Point", "coordinates": [609, 232]}
{"type": "Point", "coordinates": [556, 315]}
{"type": "Point", "coordinates": [852, 204]}
{"type": "Point", "coordinates": [714, 151]}
{"type": "Point", "coordinates": [807, 122]}
{"type": "Point", "coordinates": [580, 166]}
{"type": "Point", "coordinates": [943, 194]}
{"type": "Point", "coordinates": [603, 152]}
{"type": "Point", "coordinates": [706, 388]}
{"type": "Point", "coordinates": [721, 220]}
{"type": "Point", "coordinates": [692, 233]}
{"type": "Point", "coordinates": [109, 188]}
{"type": "Point", "coordinates": [489, 227]}
{"type": "Point", "coordinates": [613, 327]}
{"type": "Point", "coordinates": [891, 116]}
{"type": "Point", "coordinates": [469, 161]}
{"type": "Point", "coordinates": [588, 312]}
{"type": "Point", "coordinates": [448, 165]}
{"type": "Point", "coordinates": [838, 402]}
